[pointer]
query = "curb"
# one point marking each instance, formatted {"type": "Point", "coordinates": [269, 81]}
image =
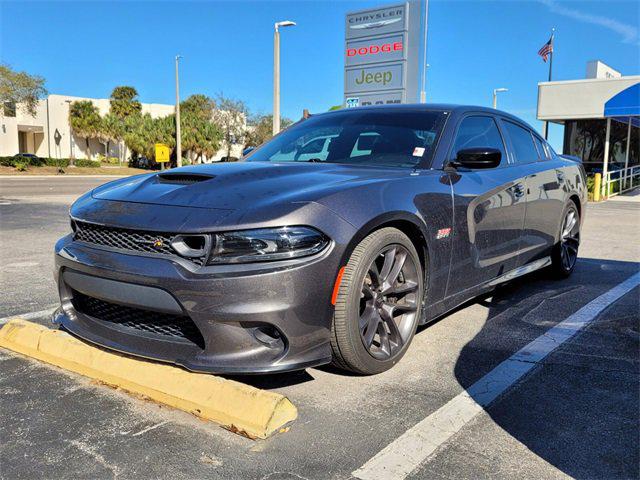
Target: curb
{"type": "Point", "coordinates": [240, 408]}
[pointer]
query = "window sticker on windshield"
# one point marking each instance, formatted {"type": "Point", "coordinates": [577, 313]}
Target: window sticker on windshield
{"type": "Point", "coordinates": [418, 151]}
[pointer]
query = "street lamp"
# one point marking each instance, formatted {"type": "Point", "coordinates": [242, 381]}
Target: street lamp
{"type": "Point", "coordinates": [425, 65]}
{"type": "Point", "coordinates": [178, 138]}
{"type": "Point", "coordinates": [495, 95]}
{"type": "Point", "coordinates": [276, 73]}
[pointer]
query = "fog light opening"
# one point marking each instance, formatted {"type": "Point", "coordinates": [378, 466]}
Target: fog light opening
{"type": "Point", "coordinates": [268, 335]}
{"type": "Point", "coordinates": [194, 242]}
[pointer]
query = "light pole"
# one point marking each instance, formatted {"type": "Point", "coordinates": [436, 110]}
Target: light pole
{"type": "Point", "coordinates": [495, 95]}
{"type": "Point", "coordinates": [423, 91]}
{"type": "Point", "coordinates": [276, 73]}
{"type": "Point", "coordinates": [178, 138]}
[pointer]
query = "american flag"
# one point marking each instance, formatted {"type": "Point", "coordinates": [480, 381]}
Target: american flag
{"type": "Point", "coordinates": [546, 49]}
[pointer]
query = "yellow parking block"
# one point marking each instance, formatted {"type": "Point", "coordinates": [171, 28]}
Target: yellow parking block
{"type": "Point", "coordinates": [240, 408]}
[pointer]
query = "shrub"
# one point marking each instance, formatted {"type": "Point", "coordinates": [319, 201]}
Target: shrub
{"type": "Point", "coordinates": [590, 187]}
{"type": "Point", "coordinates": [57, 162]}
{"type": "Point", "coordinates": [81, 162]}
{"type": "Point", "coordinates": [29, 162]}
{"type": "Point", "coordinates": [21, 166]}
{"type": "Point", "coordinates": [49, 162]}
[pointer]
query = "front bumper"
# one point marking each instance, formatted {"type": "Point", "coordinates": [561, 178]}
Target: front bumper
{"type": "Point", "coordinates": [253, 318]}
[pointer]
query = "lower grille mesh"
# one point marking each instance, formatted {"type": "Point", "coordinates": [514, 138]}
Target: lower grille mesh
{"type": "Point", "coordinates": [167, 325]}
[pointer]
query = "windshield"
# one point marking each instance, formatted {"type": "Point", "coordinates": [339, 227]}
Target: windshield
{"type": "Point", "coordinates": [374, 138]}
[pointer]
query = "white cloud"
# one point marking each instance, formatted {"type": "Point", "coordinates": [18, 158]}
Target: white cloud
{"type": "Point", "coordinates": [629, 33]}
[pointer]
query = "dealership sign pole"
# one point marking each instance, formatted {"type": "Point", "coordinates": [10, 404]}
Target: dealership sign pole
{"type": "Point", "coordinates": [382, 48]}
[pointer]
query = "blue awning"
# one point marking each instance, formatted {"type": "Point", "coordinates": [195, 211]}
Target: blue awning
{"type": "Point", "coordinates": [624, 104]}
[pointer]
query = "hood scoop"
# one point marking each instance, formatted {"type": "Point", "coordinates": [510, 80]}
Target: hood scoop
{"type": "Point", "coordinates": [183, 178]}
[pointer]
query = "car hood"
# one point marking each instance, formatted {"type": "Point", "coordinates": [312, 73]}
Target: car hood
{"type": "Point", "coordinates": [242, 184]}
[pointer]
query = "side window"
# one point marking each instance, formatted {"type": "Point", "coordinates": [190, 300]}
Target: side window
{"type": "Point", "coordinates": [551, 153]}
{"type": "Point", "coordinates": [524, 149]}
{"type": "Point", "coordinates": [478, 131]}
{"type": "Point", "coordinates": [542, 152]}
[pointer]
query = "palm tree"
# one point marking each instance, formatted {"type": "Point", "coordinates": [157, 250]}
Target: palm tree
{"type": "Point", "coordinates": [124, 105]}
{"type": "Point", "coordinates": [124, 102]}
{"type": "Point", "coordinates": [84, 120]}
{"type": "Point", "coordinates": [111, 130]}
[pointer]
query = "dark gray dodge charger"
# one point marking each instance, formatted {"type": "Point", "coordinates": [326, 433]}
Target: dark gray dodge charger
{"type": "Point", "coordinates": [330, 243]}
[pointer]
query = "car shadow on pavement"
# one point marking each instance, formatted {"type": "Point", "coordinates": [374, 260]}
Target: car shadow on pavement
{"type": "Point", "coordinates": [577, 410]}
{"type": "Point", "coordinates": [273, 380]}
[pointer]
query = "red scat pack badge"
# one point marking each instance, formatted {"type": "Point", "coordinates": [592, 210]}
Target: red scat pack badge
{"type": "Point", "coordinates": [443, 233]}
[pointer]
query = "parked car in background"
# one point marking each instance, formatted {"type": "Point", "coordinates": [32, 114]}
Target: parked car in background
{"type": "Point", "coordinates": [302, 256]}
{"type": "Point", "coordinates": [27, 156]}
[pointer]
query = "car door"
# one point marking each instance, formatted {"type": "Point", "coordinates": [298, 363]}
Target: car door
{"type": "Point", "coordinates": [543, 191]}
{"type": "Point", "coordinates": [489, 209]}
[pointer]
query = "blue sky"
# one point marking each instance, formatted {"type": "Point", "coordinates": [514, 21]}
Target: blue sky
{"type": "Point", "coordinates": [86, 48]}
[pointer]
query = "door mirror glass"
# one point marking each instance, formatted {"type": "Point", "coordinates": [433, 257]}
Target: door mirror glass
{"type": "Point", "coordinates": [478, 157]}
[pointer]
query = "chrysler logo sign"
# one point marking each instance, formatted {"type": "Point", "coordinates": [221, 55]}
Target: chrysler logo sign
{"type": "Point", "coordinates": [380, 23]}
{"type": "Point", "coordinates": [376, 19]}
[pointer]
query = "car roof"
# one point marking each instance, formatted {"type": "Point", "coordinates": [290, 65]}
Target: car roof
{"type": "Point", "coordinates": [412, 107]}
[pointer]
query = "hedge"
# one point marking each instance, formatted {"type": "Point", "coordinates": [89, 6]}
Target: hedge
{"type": "Point", "coordinates": [49, 162]}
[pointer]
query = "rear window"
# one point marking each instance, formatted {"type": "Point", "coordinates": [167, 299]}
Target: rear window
{"type": "Point", "coordinates": [373, 138]}
{"type": "Point", "coordinates": [524, 150]}
{"type": "Point", "coordinates": [543, 153]}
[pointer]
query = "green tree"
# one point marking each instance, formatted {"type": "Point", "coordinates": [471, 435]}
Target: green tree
{"type": "Point", "coordinates": [20, 88]}
{"type": "Point", "coordinates": [198, 105]}
{"type": "Point", "coordinates": [111, 129]}
{"type": "Point", "coordinates": [143, 132]}
{"type": "Point", "coordinates": [260, 129]}
{"type": "Point", "coordinates": [124, 104]}
{"type": "Point", "coordinates": [200, 136]}
{"type": "Point", "coordinates": [84, 119]}
{"type": "Point", "coordinates": [230, 115]}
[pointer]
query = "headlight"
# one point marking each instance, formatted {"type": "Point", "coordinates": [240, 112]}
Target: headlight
{"type": "Point", "coordinates": [266, 245]}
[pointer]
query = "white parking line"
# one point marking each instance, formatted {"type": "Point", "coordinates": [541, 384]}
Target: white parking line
{"type": "Point", "coordinates": [407, 452]}
{"type": "Point", "coordinates": [30, 315]}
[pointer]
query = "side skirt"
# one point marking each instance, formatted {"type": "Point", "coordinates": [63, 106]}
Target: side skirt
{"type": "Point", "coordinates": [443, 307]}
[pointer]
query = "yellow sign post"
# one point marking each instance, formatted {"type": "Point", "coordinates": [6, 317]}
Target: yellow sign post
{"type": "Point", "coordinates": [162, 154]}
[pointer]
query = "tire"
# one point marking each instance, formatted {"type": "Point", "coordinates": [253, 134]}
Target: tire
{"type": "Point", "coordinates": [360, 341]}
{"type": "Point", "coordinates": [565, 253]}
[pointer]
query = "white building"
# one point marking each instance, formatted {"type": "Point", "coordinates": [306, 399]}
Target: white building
{"type": "Point", "coordinates": [601, 118]}
{"type": "Point", "coordinates": [48, 133]}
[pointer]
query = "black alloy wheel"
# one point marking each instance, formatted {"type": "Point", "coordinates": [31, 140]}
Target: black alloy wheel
{"type": "Point", "coordinates": [565, 253]}
{"type": "Point", "coordinates": [388, 302]}
{"type": "Point", "coordinates": [378, 304]}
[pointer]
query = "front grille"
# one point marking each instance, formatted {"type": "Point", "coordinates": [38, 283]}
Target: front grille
{"type": "Point", "coordinates": [164, 324]}
{"type": "Point", "coordinates": [126, 239]}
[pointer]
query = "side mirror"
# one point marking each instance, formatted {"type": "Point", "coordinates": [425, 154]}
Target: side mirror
{"type": "Point", "coordinates": [478, 157]}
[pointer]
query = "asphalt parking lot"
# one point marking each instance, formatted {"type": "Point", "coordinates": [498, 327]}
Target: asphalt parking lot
{"type": "Point", "coordinates": [575, 414]}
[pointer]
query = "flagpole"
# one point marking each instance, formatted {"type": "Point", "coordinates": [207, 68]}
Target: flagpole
{"type": "Point", "coordinates": [546, 123]}
{"type": "Point", "coordinates": [553, 30]}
